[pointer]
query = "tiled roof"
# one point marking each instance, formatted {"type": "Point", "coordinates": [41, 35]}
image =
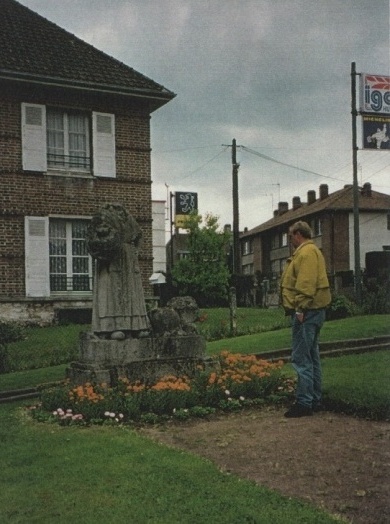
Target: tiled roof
{"type": "Point", "coordinates": [341, 200]}
{"type": "Point", "coordinates": [35, 49]}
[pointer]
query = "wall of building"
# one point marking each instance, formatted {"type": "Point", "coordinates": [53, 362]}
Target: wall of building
{"type": "Point", "coordinates": [71, 196]}
{"type": "Point", "coordinates": [374, 235]}
{"type": "Point", "coordinates": [159, 249]}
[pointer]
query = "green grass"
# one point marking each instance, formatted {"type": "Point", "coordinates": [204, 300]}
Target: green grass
{"type": "Point", "coordinates": [215, 322]}
{"type": "Point", "coordinates": [36, 351]}
{"type": "Point", "coordinates": [111, 474]}
{"type": "Point", "coordinates": [32, 377]}
{"type": "Point", "coordinates": [344, 329]}
{"type": "Point", "coordinates": [105, 474]}
{"type": "Point", "coordinates": [43, 347]}
{"type": "Point", "coordinates": [358, 384]}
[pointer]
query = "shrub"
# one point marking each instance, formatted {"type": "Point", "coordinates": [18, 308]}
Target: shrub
{"type": "Point", "coordinates": [341, 307]}
{"type": "Point", "coordinates": [376, 297]}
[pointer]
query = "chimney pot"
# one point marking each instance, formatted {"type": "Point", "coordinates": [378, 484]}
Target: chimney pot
{"type": "Point", "coordinates": [311, 196]}
{"type": "Point", "coordinates": [282, 207]}
{"type": "Point", "coordinates": [324, 191]}
{"type": "Point", "coordinates": [296, 202]}
{"type": "Point", "coordinates": [366, 190]}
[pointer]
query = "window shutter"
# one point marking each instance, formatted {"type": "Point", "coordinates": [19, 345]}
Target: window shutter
{"type": "Point", "coordinates": [34, 137]}
{"type": "Point", "coordinates": [103, 144]}
{"type": "Point", "coordinates": [37, 256]}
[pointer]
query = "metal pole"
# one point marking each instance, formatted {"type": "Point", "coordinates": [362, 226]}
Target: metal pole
{"type": "Point", "coordinates": [171, 224]}
{"type": "Point", "coordinates": [356, 230]}
{"type": "Point", "coordinates": [236, 227]}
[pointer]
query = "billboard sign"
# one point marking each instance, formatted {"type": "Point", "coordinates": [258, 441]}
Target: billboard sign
{"type": "Point", "coordinates": [376, 131]}
{"type": "Point", "coordinates": [375, 94]}
{"type": "Point", "coordinates": [185, 203]}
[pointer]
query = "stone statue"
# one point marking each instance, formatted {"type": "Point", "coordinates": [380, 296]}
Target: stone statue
{"type": "Point", "coordinates": [119, 309]}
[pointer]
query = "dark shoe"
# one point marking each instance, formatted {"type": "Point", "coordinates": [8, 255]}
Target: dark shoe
{"type": "Point", "coordinates": [318, 407]}
{"type": "Point", "coordinates": [297, 410]}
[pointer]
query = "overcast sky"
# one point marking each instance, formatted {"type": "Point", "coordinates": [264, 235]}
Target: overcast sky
{"type": "Point", "coordinates": [273, 74]}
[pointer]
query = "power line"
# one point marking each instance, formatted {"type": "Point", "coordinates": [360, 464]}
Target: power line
{"type": "Point", "coordinates": [266, 157]}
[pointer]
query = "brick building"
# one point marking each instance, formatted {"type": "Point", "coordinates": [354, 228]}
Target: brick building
{"type": "Point", "coordinates": [265, 248]}
{"type": "Point", "coordinates": [74, 134]}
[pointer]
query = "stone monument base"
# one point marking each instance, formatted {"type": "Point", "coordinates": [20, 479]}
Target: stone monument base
{"type": "Point", "coordinates": [146, 359]}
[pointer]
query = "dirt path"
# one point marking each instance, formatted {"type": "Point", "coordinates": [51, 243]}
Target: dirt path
{"type": "Point", "coordinates": [333, 461]}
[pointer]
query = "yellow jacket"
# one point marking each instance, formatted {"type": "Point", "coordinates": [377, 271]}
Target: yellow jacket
{"type": "Point", "coordinates": [304, 283]}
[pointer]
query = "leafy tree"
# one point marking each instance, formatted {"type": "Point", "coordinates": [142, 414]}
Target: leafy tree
{"type": "Point", "coordinates": [204, 274]}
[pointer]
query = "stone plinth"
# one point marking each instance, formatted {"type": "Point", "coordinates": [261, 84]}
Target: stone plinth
{"type": "Point", "coordinates": [146, 359]}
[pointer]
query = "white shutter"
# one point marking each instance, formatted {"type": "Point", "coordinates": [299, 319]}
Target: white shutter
{"type": "Point", "coordinates": [34, 137]}
{"type": "Point", "coordinates": [37, 256]}
{"type": "Point", "coordinates": [103, 130]}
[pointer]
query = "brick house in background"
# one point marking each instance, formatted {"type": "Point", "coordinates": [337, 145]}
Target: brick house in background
{"type": "Point", "coordinates": [74, 134]}
{"type": "Point", "coordinates": [265, 248]}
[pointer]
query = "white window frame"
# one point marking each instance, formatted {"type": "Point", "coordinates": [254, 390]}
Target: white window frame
{"type": "Point", "coordinates": [66, 165]}
{"type": "Point", "coordinates": [69, 257]}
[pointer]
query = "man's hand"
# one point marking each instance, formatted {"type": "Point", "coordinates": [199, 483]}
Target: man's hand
{"type": "Point", "coordinates": [300, 316]}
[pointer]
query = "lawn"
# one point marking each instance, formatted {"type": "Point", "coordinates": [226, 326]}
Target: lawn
{"type": "Point", "coordinates": [70, 474]}
{"type": "Point", "coordinates": [109, 474]}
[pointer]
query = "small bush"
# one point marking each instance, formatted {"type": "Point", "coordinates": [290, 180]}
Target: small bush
{"type": "Point", "coordinates": [341, 307]}
{"type": "Point", "coordinates": [376, 298]}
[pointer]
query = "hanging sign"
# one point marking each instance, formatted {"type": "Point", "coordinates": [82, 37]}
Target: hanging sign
{"type": "Point", "coordinates": [376, 132]}
{"type": "Point", "coordinates": [185, 203]}
{"type": "Point", "coordinates": [375, 94]}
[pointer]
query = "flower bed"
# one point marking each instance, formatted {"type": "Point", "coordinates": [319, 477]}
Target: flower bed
{"type": "Point", "coordinates": [241, 380]}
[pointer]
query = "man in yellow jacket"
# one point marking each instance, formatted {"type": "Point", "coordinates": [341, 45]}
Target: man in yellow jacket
{"type": "Point", "coordinates": [305, 295]}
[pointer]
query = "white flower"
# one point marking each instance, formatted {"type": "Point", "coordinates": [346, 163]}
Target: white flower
{"type": "Point", "coordinates": [242, 398]}
{"type": "Point", "coordinates": [106, 413]}
{"type": "Point", "coordinates": [55, 413]}
{"type": "Point", "coordinates": [227, 392]}
{"type": "Point", "coordinates": [69, 411]}
{"type": "Point", "coordinates": [116, 419]}
{"type": "Point", "coordinates": [112, 415]}
{"type": "Point", "coordinates": [121, 415]}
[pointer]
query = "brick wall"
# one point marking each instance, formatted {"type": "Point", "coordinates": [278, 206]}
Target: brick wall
{"type": "Point", "coordinates": [36, 194]}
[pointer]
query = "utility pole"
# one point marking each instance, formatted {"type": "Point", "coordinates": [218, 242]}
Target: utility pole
{"type": "Point", "coordinates": [356, 230]}
{"type": "Point", "coordinates": [236, 227]}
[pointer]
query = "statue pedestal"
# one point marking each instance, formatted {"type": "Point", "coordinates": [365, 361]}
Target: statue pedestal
{"type": "Point", "coordinates": [145, 359]}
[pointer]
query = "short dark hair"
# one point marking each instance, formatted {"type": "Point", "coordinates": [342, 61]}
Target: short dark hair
{"type": "Point", "coordinates": [303, 228]}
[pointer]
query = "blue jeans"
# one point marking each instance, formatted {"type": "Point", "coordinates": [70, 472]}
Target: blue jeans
{"type": "Point", "coordinates": [305, 356]}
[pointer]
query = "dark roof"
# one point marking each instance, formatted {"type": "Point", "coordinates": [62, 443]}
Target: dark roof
{"type": "Point", "coordinates": [341, 200]}
{"type": "Point", "coordinates": [37, 50]}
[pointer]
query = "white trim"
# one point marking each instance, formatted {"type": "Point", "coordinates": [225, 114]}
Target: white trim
{"type": "Point", "coordinates": [103, 139]}
{"type": "Point", "coordinates": [34, 156]}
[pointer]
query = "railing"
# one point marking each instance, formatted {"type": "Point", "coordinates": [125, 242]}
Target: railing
{"type": "Point", "coordinates": [68, 161]}
{"type": "Point", "coordinates": [74, 283]}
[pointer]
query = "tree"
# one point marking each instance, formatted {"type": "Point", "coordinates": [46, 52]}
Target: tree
{"type": "Point", "coordinates": [204, 274]}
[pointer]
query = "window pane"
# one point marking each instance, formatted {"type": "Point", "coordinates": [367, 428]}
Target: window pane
{"type": "Point", "coordinates": [79, 229]}
{"type": "Point", "coordinates": [55, 138]}
{"type": "Point", "coordinates": [57, 247]}
{"type": "Point", "coordinates": [80, 265]}
{"type": "Point", "coordinates": [69, 259]}
{"type": "Point", "coordinates": [81, 283]}
{"type": "Point", "coordinates": [79, 247]}
{"type": "Point", "coordinates": [58, 265]}
{"type": "Point", "coordinates": [58, 283]}
{"type": "Point", "coordinates": [77, 140]}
